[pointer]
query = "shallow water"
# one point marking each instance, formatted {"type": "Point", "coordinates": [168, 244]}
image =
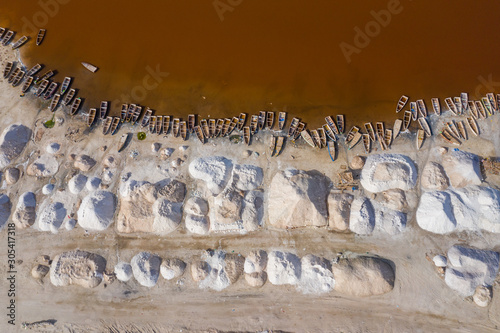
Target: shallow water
{"type": "Point", "coordinates": [278, 55]}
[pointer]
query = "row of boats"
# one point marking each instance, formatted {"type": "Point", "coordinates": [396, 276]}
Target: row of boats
{"type": "Point", "coordinates": [6, 37]}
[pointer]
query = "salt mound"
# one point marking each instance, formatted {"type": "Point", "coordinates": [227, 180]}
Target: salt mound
{"type": "Point", "coordinates": [167, 216]}
{"type": "Point", "coordinates": [199, 270]}
{"type": "Point", "coordinates": [77, 183]}
{"type": "Point", "coordinates": [197, 224]}
{"type": "Point", "coordinates": [224, 270]}
{"type": "Point", "coordinates": [434, 177]}
{"type": "Point", "coordinates": [439, 260]}
{"type": "Point", "coordinates": [362, 220]}
{"type": "Point", "coordinates": [386, 171]}
{"type": "Point", "coordinates": [39, 271]}
{"type": "Point", "coordinates": [252, 211]}
{"type": "Point", "coordinates": [146, 268]}
{"type": "Point", "coordinates": [233, 266]}
{"type": "Point", "coordinates": [363, 276]}
{"type": "Point", "coordinates": [25, 213]}
{"type": "Point", "coordinates": [47, 189]}
{"type": "Point", "coordinates": [123, 271]}
{"type": "Point", "coordinates": [93, 184]}
{"type": "Point", "coordinates": [317, 276]}
{"type": "Point", "coordinates": [213, 170]}
{"type": "Point", "coordinates": [44, 166]}
{"type": "Point", "coordinates": [70, 224]}
{"type": "Point", "coordinates": [53, 148]}
{"type": "Point", "coordinates": [12, 175]}
{"type": "Point", "coordinates": [462, 168]}
{"type": "Point", "coordinates": [77, 267]}
{"type": "Point", "coordinates": [283, 268]}
{"type": "Point", "coordinates": [97, 210]}
{"type": "Point", "coordinates": [395, 199]}
{"type": "Point", "coordinates": [52, 217]}
{"type": "Point", "coordinates": [339, 210]}
{"type": "Point", "coordinates": [256, 261]}
{"type": "Point", "coordinates": [12, 142]}
{"type": "Point", "coordinates": [227, 206]}
{"type": "Point", "coordinates": [247, 177]}
{"type": "Point", "coordinates": [469, 268]}
{"type": "Point", "coordinates": [84, 163]}
{"type": "Point", "coordinates": [435, 214]}
{"type": "Point", "coordinates": [171, 189]}
{"type": "Point", "coordinates": [110, 162]}
{"type": "Point", "coordinates": [357, 162]}
{"type": "Point", "coordinates": [172, 268]}
{"type": "Point", "coordinates": [256, 279]}
{"type": "Point", "coordinates": [390, 221]}
{"type": "Point", "coordinates": [5, 208]}
{"type": "Point", "coordinates": [482, 296]}
{"type": "Point", "coordinates": [196, 206]}
{"type": "Point", "coordinates": [298, 199]}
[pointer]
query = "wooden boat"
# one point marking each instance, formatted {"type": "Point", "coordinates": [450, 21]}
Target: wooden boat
{"type": "Point", "coordinates": [107, 125]}
{"type": "Point", "coordinates": [54, 102]}
{"type": "Point", "coordinates": [2, 31]}
{"type": "Point", "coordinates": [451, 106]}
{"type": "Point", "coordinates": [166, 124]}
{"type": "Point", "coordinates": [272, 146]}
{"type": "Point", "coordinates": [380, 130]}
{"type": "Point", "coordinates": [262, 119]}
{"type": "Point", "coordinates": [7, 38]}
{"type": "Point", "coordinates": [247, 135]}
{"type": "Point", "coordinates": [205, 128]}
{"type": "Point", "coordinates": [355, 140]}
{"type": "Point", "coordinates": [279, 145]}
{"type": "Point", "coordinates": [51, 90]}
{"type": "Point", "coordinates": [232, 125]}
{"type": "Point", "coordinates": [331, 150]}
{"type": "Point", "coordinates": [367, 143]}
{"type": "Point", "coordinates": [498, 102]}
{"type": "Point", "coordinates": [175, 127]}
{"type": "Point", "coordinates": [293, 127]}
{"type": "Point", "coordinates": [225, 126]}
{"type": "Point", "coordinates": [199, 133]}
{"type": "Point", "coordinates": [27, 84]}
{"type": "Point", "coordinates": [42, 87]}
{"type": "Point", "coordinates": [424, 125]}
{"type": "Point", "coordinates": [448, 137]}
{"type": "Point", "coordinates": [487, 105]}
{"type": "Point", "coordinates": [270, 119]}
{"type": "Point", "coordinates": [137, 114]}
{"type": "Point", "coordinates": [401, 103]}
{"type": "Point", "coordinates": [480, 109]}
{"type": "Point", "coordinates": [332, 125]}
{"type": "Point", "coordinates": [370, 131]}
{"type": "Point", "coordinates": [473, 110]}
{"type": "Point", "coordinates": [152, 124]}
{"type": "Point", "coordinates": [458, 104]}
{"type": "Point", "coordinates": [191, 123]}
{"type": "Point", "coordinates": [159, 125]}
{"type": "Point", "coordinates": [130, 112]}
{"type": "Point", "coordinates": [436, 106]}
{"type": "Point", "coordinates": [493, 103]}
{"type": "Point", "coordinates": [146, 118]}
{"type": "Point", "coordinates": [20, 42]}
{"type": "Point", "coordinates": [464, 99]}
{"type": "Point", "coordinates": [13, 75]}
{"type": "Point", "coordinates": [91, 117]}
{"type": "Point", "coordinates": [33, 70]}
{"type": "Point", "coordinates": [340, 124]}
{"type": "Point", "coordinates": [40, 36]}
{"type": "Point", "coordinates": [315, 136]}
{"type": "Point", "coordinates": [462, 130]}
{"type": "Point", "coordinates": [123, 141]}
{"type": "Point", "coordinates": [382, 144]}
{"type": "Point", "coordinates": [453, 129]}
{"type": "Point", "coordinates": [422, 109]}
{"type": "Point", "coordinates": [46, 76]}
{"type": "Point", "coordinates": [123, 112]}
{"type": "Point", "coordinates": [103, 109]}
{"type": "Point", "coordinates": [298, 131]}
{"type": "Point", "coordinates": [114, 125]}
{"type": "Point", "coordinates": [7, 69]}
{"type": "Point", "coordinates": [388, 137]}
{"type": "Point", "coordinates": [254, 123]}
{"type": "Point", "coordinates": [90, 67]}
{"type": "Point", "coordinates": [65, 85]}
{"type": "Point", "coordinates": [69, 96]}
{"type": "Point", "coordinates": [220, 124]}
{"type": "Point", "coordinates": [473, 125]}
{"type": "Point", "coordinates": [350, 135]}
{"type": "Point", "coordinates": [414, 111]}
{"type": "Point", "coordinates": [329, 132]}
{"type": "Point", "coordinates": [242, 120]}
{"type": "Point", "coordinates": [322, 136]}
{"type": "Point", "coordinates": [420, 138]}
{"type": "Point", "coordinates": [19, 77]}
{"type": "Point", "coordinates": [211, 127]}
{"type": "Point", "coordinates": [397, 127]}
{"type": "Point", "coordinates": [307, 137]}
{"type": "Point", "coordinates": [281, 120]}
{"type": "Point", "coordinates": [183, 130]}
{"type": "Point", "coordinates": [75, 105]}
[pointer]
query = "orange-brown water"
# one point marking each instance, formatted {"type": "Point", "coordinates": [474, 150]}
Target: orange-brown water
{"type": "Point", "coordinates": [281, 54]}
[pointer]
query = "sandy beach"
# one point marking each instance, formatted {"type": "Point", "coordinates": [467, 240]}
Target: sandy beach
{"type": "Point", "coordinates": [176, 236]}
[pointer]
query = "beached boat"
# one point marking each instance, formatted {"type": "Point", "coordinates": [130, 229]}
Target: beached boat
{"type": "Point", "coordinates": [90, 67]}
{"type": "Point", "coordinates": [420, 138]}
{"type": "Point", "coordinates": [2, 31]}
{"type": "Point", "coordinates": [211, 128]}
{"type": "Point", "coordinates": [473, 110]}
{"type": "Point", "coordinates": [19, 77]}
{"type": "Point", "coordinates": [175, 127]}
{"type": "Point", "coordinates": [453, 129]}
{"type": "Point", "coordinates": [473, 125]}
{"type": "Point", "coordinates": [75, 105]}
{"type": "Point", "coordinates": [47, 75]}
{"type": "Point", "coordinates": [69, 96]}
{"type": "Point", "coordinates": [340, 124]}
{"type": "Point", "coordinates": [65, 85]}
{"type": "Point", "coordinates": [462, 130]}
{"type": "Point", "coordinates": [137, 114]}
{"type": "Point", "coordinates": [382, 144]}
{"type": "Point", "coordinates": [40, 36]}
{"type": "Point", "coordinates": [322, 136]}
{"type": "Point", "coordinates": [464, 99]}
{"type": "Point", "coordinates": [367, 143]}
{"type": "Point", "coordinates": [436, 106]}
{"type": "Point", "coordinates": [422, 109]}
{"type": "Point", "coordinates": [225, 126]}
{"type": "Point", "coordinates": [329, 132]}
{"type": "Point", "coordinates": [293, 127]}
{"type": "Point", "coordinates": [33, 70]}
{"type": "Point", "coordinates": [397, 127]}
{"type": "Point", "coordinates": [254, 123]}
{"type": "Point", "coordinates": [20, 42]}
{"type": "Point", "coordinates": [307, 137]}
{"type": "Point", "coordinates": [458, 104]}
{"type": "Point", "coordinates": [7, 38]}
{"type": "Point", "coordinates": [199, 133]}
{"type": "Point", "coordinates": [380, 130]}
{"type": "Point", "coordinates": [152, 124]}
{"type": "Point", "coordinates": [146, 118]}
{"type": "Point", "coordinates": [480, 110]}
{"type": "Point", "coordinates": [51, 90]}
{"type": "Point", "coordinates": [298, 131]}
{"type": "Point", "coordinates": [350, 135]}
{"type": "Point", "coordinates": [487, 106]}
{"type": "Point", "coordinates": [451, 106]}
{"type": "Point", "coordinates": [27, 84]}
{"type": "Point", "coordinates": [498, 102]}
{"type": "Point", "coordinates": [242, 120]}
{"type": "Point", "coordinates": [424, 125]}
{"type": "Point", "coordinates": [493, 103]}
{"type": "Point", "coordinates": [281, 120]}
{"type": "Point", "coordinates": [159, 125]}
{"type": "Point", "coordinates": [448, 137]}
{"type": "Point", "coordinates": [130, 112]}
{"type": "Point", "coordinates": [123, 141]}
{"type": "Point", "coordinates": [91, 117]}
{"type": "Point", "coordinates": [103, 110]}
{"type": "Point", "coordinates": [13, 75]}
{"type": "Point", "coordinates": [315, 137]}
{"type": "Point", "coordinates": [414, 111]}
{"type": "Point", "coordinates": [191, 122]}
{"type": "Point", "coordinates": [166, 124]}
{"type": "Point", "coordinates": [115, 125]}
{"type": "Point", "coordinates": [220, 124]}
{"type": "Point", "coordinates": [370, 131]}
{"type": "Point", "coordinates": [107, 125]}
{"type": "Point", "coordinates": [7, 69]}
{"type": "Point", "coordinates": [247, 135]}
{"type": "Point", "coordinates": [272, 146]}
{"type": "Point", "coordinates": [332, 124]}
{"type": "Point", "coordinates": [279, 145]}
{"type": "Point", "coordinates": [270, 119]}
{"type": "Point", "coordinates": [42, 87]}
{"type": "Point", "coordinates": [55, 102]}
{"type": "Point", "coordinates": [355, 140]}
{"type": "Point", "coordinates": [183, 130]}
{"type": "Point", "coordinates": [401, 103]}
{"type": "Point", "coordinates": [331, 150]}
{"type": "Point", "coordinates": [262, 119]}
{"type": "Point", "coordinates": [388, 137]}
{"type": "Point", "coordinates": [123, 112]}
{"type": "Point", "coordinates": [205, 128]}
{"type": "Point", "coordinates": [232, 125]}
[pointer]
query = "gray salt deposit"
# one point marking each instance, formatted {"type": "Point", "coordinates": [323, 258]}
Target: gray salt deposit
{"type": "Point", "coordinates": [362, 220]}
{"type": "Point", "coordinates": [93, 183]}
{"type": "Point", "coordinates": [53, 148]}
{"type": "Point", "coordinates": [146, 268]}
{"type": "Point", "coordinates": [123, 271]}
{"type": "Point", "coordinates": [12, 142]}
{"type": "Point", "coordinates": [5, 208]}
{"type": "Point", "coordinates": [25, 213]}
{"type": "Point", "coordinates": [47, 189]}
{"type": "Point", "coordinates": [77, 183]}
{"type": "Point", "coordinates": [51, 217]}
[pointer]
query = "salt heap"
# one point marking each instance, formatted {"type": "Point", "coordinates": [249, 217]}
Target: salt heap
{"type": "Point", "coordinates": [362, 220]}
{"type": "Point", "coordinates": [463, 168]}
{"type": "Point", "coordinates": [252, 211]}
{"type": "Point", "coordinates": [434, 177]}
{"type": "Point", "coordinates": [123, 271]}
{"type": "Point", "coordinates": [225, 269]}
{"type": "Point", "coordinates": [51, 217]}
{"type": "Point", "coordinates": [215, 171]}
{"type": "Point", "coordinates": [47, 189]}
{"type": "Point", "coordinates": [247, 177]}
{"type": "Point", "coordinates": [5, 208]}
{"type": "Point", "coordinates": [97, 210]}
{"type": "Point", "coordinates": [196, 220]}
{"type": "Point", "coordinates": [77, 183]}
{"type": "Point", "coordinates": [12, 142]}
{"type": "Point", "coordinates": [254, 268]}
{"type": "Point", "coordinates": [25, 213]}
{"type": "Point", "coordinates": [387, 171]}
{"type": "Point", "coordinates": [317, 276]}
{"type": "Point", "coordinates": [339, 210]}
{"type": "Point", "coordinates": [146, 268]}
{"type": "Point", "coordinates": [93, 183]}
{"type": "Point", "coordinates": [77, 267]}
{"type": "Point", "coordinates": [53, 148]}
{"type": "Point", "coordinates": [172, 268]}
{"type": "Point", "coordinates": [44, 166]}
{"type": "Point", "coordinates": [12, 175]}
{"type": "Point", "coordinates": [283, 268]}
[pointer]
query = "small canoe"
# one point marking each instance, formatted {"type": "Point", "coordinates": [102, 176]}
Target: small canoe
{"type": "Point", "coordinates": [401, 103]}
{"type": "Point", "coordinates": [464, 99]}
{"type": "Point", "coordinates": [225, 126]}
{"type": "Point", "coordinates": [382, 144]}
{"type": "Point", "coordinates": [331, 150]}
{"type": "Point", "coordinates": [307, 138]}
{"type": "Point", "coordinates": [350, 135]}
{"type": "Point", "coordinates": [370, 131]}
{"type": "Point", "coordinates": [123, 141]}
{"type": "Point", "coordinates": [115, 125]}
{"type": "Point", "coordinates": [7, 38]}
{"type": "Point", "coordinates": [473, 125]}
{"type": "Point", "coordinates": [46, 76]}
{"type": "Point", "coordinates": [436, 106]}
{"type": "Point", "coordinates": [254, 123]}
{"type": "Point", "coordinates": [420, 138]}
{"type": "Point", "coordinates": [279, 145]}
{"type": "Point", "coordinates": [123, 112]}
{"type": "Point", "coordinates": [42, 87]}
{"type": "Point", "coordinates": [473, 110]}
{"type": "Point", "coordinates": [175, 127]}
{"type": "Point", "coordinates": [281, 120]}
{"type": "Point", "coordinates": [462, 130]}
{"type": "Point", "coordinates": [183, 130]}
{"type": "Point", "coordinates": [397, 128]}
{"type": "Point", "coordinates": [242, 120]}
{"type": "Point", "coordinates": [493, 103]}
{"type": "Point", "coordinates": [453, 129]}
{"type": "Point", "coordinates": [232, 125]}
{"type": "Point", "coordinates": [424, 125]}
{"type": "Point", "coordinates": [293, 127]}
{"type": "Point", "coordinates": [247, 135]}
{"type": "Point", "coordinates": [329, 132]}
{"type": "Point", "coordinates": [422, 109]}
{"type": "Point", "coordinates": [211, 127]}
{"type": "Point", "coordinates": [146, 118]}
{"type": "Point", "coordinates": [19, 77]}
{"type": "Point", "coordinates": [355, 140]}
{"type": "Point", "coordinates": [75, 105]}
{"type": "Point", "coordinates": [220, 124]}
{"type": "Point", "coordinates": [152, 124]}
{"type": "Point", "coordinates": [448, 137]}
{"type": "Point", "coordinates": [367, 143]}
{"type": "Point", "coordinates": [159, 125]}
{"type": "Point", "coordinates": [27, 84]}
{"type": "Point", "coordinates": [414, 111]}
{"type": "Point", "coordinates": [272, 146]}
{"type": "Point", "coordinates": [480, 110]}
{"type": "Point", "coordinates": [20, 42]}
{"type": "Point", "coordinates": [69, 96]}
{"type": "Point", "coordinates": [13, 75]}
{"type": "Point", "coordinates": [458, 104]}
{"type": "Point", "coordinates": [65, 85]}
{"type": "Point", "coordinates": [332, 125]}
{"type": "Point", "coordinates": [107, 125]}
{"type": "Point", "coordinates": [204, 128]}
{"type": "Point", "coordinates": [2, 31]}
{"type": "Point", "coordinates": [322, 137]}
{"type": "Point", "coordinates": [90, 67]}
{"type": "Point", "coordinates": [130, 112]}
{"type": "Point", "coordinates": [199, 133]}
{"type": "Point", "coordinates": [51, 90]}
{"type": "Point", "coordinates": [55, 102]}
{"type": "Point", "coordinates": [91, 117]}
{"type": "Point", "coordinates": [380, 130]}
{"type": "Point", "coordinates": [262, 119]}
{"type": "Point", "coordinates": [103, 110]}
{"type": "Point", "coordinates": [33, 70]}
{"type": "Point", "coordinates": [270, 119]}
{"type": "Point", "coordinates": [388, 137]}
{"type": "Point", "coordinates": [7, 69]}
{"type": "Point", "coordinates": [40, 36]}
{"type": "Point", "coordinates": [487, 106]}
{"type": "Point", "coordinates": [317, 140]}
{"type": "Point", "coordinates": [498, 102]}
{"type": "Point", "coordinates": [340, 123]}
{"type": "Point", "coordinates": [166, 124]}
{"type": "Point", "coordinates": [451, 106]}
{"type": "Point", "coordinates": [191, 122]}
{"type": "Point", "coordinates": [298, 131]}
{"type": "Point", "coordinates": [137, 114]}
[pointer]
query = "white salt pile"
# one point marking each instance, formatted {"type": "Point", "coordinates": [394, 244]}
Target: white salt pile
{"type": "Point", "coordinates": [317, 276]}
{"type": "Point", "coordinates": [339, 210]}
{"type": "Point", "coordinates": [225, 269]}
{"type": "Point", "coordinates": [389, 221]}
{"type": "Point", "coordinates": [196, 206]}
{"type": "Point", "coordinates": [362, 220]}
{"type": "Point", "coordinates": [167, 216]}
{"type": "Point", "coordinates": [77, 267]}
{"type": "Point", "coordinates": [247, 177]}
{"type": "Point", "coordinates": [70, 224]}
{"type": "Point", "coordinates": [51, 217]}
{"type": "Point", "coordinates": [463, 168]}
{"type": "Point", "coordinates": [197, 224]}
{"type": "Point", "coordinates": [123, 271]}
{"type": "Point", "coordinates": [53, 148]}
{"type": "Point", "coordinates": [44, 166]}
{"type": "Point", "coordinates": [146, 268]}
{"type": "Point", "coordinates": [12, 142]}
{"type": "Point", "coordinates": [25, 213]}
{"type": "Point", "coordinates": [256, 261]}
{"type": "Point", "coordinates": [439, 260]}
{"type": "Point", "coordinates": [387, 171]}
{"type": "Point", "coordinates": [252, 211]}
{"type": "Point", "coordinates": [93, 184]}
{"type": "Point", "coordinates": [172, 268]}
{"type": "Point", "coordinates": [283, 268]}
{"type": "Point", "coordinates": [97, 210]}
{"type": "Point", "coordinates": [5, 208]}
{"type": "Point", "coordinates": [77, 183]}
{"type": "Point", "coordinates": [215, 171]}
